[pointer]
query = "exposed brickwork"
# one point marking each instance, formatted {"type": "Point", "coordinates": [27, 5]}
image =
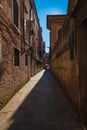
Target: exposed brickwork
{"type": "Point", "coordinates": [12, 77]}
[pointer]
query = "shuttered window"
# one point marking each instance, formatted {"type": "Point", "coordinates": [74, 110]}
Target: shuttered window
{"type": "Point", "coordinates": [15, 12]}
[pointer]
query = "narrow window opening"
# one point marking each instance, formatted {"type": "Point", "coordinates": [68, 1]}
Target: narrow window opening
{"type": "Point", "coordinates": [59, 32]}
{"type": "Point", "coordinates": [71, 41]}
{"type": "Point", "coordinates": [15, 12]}
{"type": "Point", "coordinates": [24, 29]}
{"type": "Point", "coordinates": [0, 50]}
{"type": "Point", "coordinates": [16, 57]}
{"type": "Point", "coordinates": [26, 60]}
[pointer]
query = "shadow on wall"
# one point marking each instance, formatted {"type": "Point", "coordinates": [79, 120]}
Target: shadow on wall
{"type": "Point", "coordinates": [1, 70]}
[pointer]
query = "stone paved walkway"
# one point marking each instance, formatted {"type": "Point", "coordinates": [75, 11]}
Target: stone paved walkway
{"type": "Point", "coordinates": [39, 106]}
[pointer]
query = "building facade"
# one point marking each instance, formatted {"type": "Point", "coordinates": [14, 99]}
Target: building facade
{"type": "Point", "coordinates": [68, 61]}
{"type": "Point", "coordinates": [54, 24]}
{"type": "Point", "coordinates": [18, 45]}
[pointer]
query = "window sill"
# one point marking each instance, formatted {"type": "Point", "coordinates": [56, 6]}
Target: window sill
{"type": "Point", "coordinates": [17, 67]}
{"type": "Point", "coordinates": [16, 30]}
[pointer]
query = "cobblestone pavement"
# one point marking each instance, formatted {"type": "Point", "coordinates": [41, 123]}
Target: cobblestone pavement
{"type": "Point", "coordinates": [39, 106]}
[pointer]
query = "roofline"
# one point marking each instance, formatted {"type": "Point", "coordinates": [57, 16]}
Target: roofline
{"type": "Point", "coordinates": [60, 15]}
{"type": "Point", "coordinates": [50, 18]}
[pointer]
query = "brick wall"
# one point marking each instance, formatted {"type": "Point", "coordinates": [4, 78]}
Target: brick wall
{"type": "Point", "coordinates": [11, 77]}
{"type": "Point", "coordinates": [12, 35]}
{"type": "Point", "coordinates": [7, 7]}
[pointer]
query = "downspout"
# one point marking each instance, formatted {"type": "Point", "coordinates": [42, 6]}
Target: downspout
{"type": "Point", "coordinates": [23, 27]}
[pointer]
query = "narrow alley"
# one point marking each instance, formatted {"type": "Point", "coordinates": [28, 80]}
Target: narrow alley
{"type": "Point", "coordinates": [39, 105]}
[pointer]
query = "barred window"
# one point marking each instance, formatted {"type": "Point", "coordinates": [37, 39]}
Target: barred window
{"type": "Point", "coordinates": [16, 57]}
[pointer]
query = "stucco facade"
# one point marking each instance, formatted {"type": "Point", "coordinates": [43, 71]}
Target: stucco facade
{"type": "Point", "coordinates": [54, 23]}
{"type": "Point", "coordinates": [68, 61]}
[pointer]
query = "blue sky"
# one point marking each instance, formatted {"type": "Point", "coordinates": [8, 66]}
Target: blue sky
{"type": "Point", "coordinates": [49, 7]}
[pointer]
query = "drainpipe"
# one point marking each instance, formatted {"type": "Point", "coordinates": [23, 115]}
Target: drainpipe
{"type": "Point", "coordinates": [23, 27]}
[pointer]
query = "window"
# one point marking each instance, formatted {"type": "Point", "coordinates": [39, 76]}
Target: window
{"type": "Point", "coordinates": [71, 41]}
{"type": "Point", "coordinates": [15, 12]}
{"type": "Point", "coordinates": [59, 32]}
{"type": "Point", "coordinates": [31, 14]}
{"type": "Point", "coordinates": [0, 50]}
{"type": "Point", "coordinates": [26, 60]}
{"type": "Point", "coordinates": [24, 29]}
{"type": "Point", "coordinates": [16, 57]}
